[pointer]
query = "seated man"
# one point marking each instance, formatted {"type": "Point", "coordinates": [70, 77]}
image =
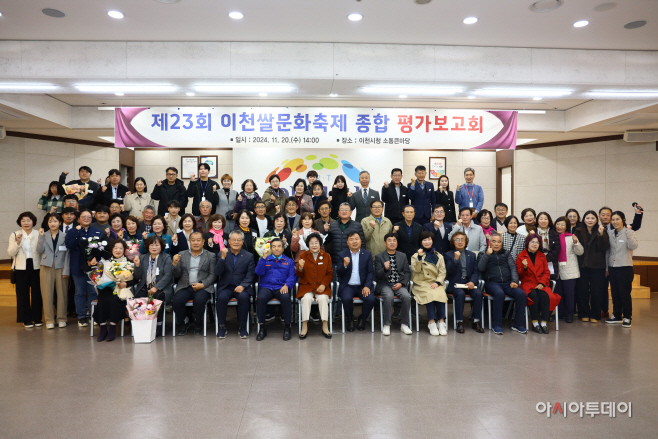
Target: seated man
{"type": "Point", "coordinates": [393, 275]}
{"type": "Point", "coordinates": [195, 269]}
{"type": "Point", "coordinates": [355, 274]}
{"type": "Point", "coordinates": [463, 277]}
{"type": "Point", "coordinates": [277, 280]}
{"type": "Point", "coordinates": [235, 275]}
{"type": "Point", "coordinates": [502, 277]}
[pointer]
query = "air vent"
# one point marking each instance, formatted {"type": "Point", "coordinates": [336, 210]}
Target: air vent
{"type": "Point", "coordinates": [545, 5]}
{"type": "Point", "coordinates": [641, 136]}
{"type": "Point", "coordinates": [637, 119]}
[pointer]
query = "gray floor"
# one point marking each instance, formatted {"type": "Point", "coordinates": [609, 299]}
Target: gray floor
{"type": "Point", "coordinates": [61, 383]}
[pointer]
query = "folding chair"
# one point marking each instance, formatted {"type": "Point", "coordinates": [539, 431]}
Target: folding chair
{"type": "Point", "coordinates": [466, 299]}
{"type": "Point", "coordinates": [356, 302]}
{"type": "Point", "coordinates": [396, 299]}
{"type": "Point", "coordinates": [411, 286]}
{"type": "Point", "coordinates": [91, 322]}
{"type": "Point", "coordinates": [232, 302]}
{"type": "Point", "coordinates": [315, 302]}
{"type": "Point", "coordinates": [190, 303]}
{"type": "Point", "coordinates": [276, 302]}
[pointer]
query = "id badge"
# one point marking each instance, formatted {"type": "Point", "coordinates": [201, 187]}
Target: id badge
{"type": "Point", "coordinates": [470, 204]}
{"type": "Point", "coordinates": [157, 271]}
{"type": "Point", "coordinates": [62, 248]}
{"type": "Point", "coordinates": [203, 199]}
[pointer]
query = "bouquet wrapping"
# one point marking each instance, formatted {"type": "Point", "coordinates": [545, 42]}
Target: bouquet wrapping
{"type": "Point", "coordinates": [143, 308]}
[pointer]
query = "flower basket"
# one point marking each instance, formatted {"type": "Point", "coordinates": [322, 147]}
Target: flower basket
{"type": "Point", "coordinates": [143, 313]}
{"type": "Point", "coordinates": [144, 330]}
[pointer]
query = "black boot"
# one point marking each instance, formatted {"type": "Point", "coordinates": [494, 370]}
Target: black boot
{"type": "Point", "coordinates": [287, 332]}
{"type": "Point", "coordinates": [103, 335]}
{"type": "Point", "coordinates": [111, 332]}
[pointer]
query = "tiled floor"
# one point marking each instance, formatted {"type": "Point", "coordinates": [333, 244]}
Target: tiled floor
{"type": "Point", "coordinates": [61, 383]}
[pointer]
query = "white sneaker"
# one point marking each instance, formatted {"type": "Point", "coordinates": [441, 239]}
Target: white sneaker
{"type": "Point", "coordinates": [433, 328]}
{"type": "Point", "coordinates": [443, 328]}
{"type": "Point", "coordinates": [62, 324]}
{"type": "Point", "coordinates": [406, 330]}
{"type": "Point", "coordinates": [386, 330]}
{"type": "Point", "coordinates": [50, 326]}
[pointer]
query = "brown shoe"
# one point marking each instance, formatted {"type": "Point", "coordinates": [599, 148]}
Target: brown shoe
{"type": "Point", "coordinates": [460, 327]}
{"type": "Point", "coordinates": [604, 315]}
{"type": "Point", "coordinates": [477, 326]}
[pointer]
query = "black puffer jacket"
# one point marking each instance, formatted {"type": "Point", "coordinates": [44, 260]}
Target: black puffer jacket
{"type": "Point", "coordinates": [338, 237]}
{"type": "Point", "coordinates": [498, 267]}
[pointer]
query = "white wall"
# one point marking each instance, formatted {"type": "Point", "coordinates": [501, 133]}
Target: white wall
{"type": "Point", "coordinates": [589, 176]}
{"type": "Point", "coordinates": [28, 165]}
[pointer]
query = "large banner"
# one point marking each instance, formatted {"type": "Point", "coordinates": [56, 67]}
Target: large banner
{"type": "Point", "coordinates": [298, 127]}
{"type": "Point", "coordinates": [293, 163]}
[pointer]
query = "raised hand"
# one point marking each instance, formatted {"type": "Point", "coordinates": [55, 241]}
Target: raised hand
{"type": "Point", "coordinates": [224, 252]}
{"type": "Point", "coordinates": [136, 261]}
{"type": "Point", "coordinates": [108, 232]}
{"type": "Point", "coordinates": [210, 243]}
{"type": "Point", "coordinates": [387, 265]}
{"type": "Point", "coordinates": [329, 198]}
{"type": "Point", "coordinates": [524, 263]}
{"type": "Point", "coordinates": [128, 193]}
{"type": "Point", "coordinates": [301, 264]}
{"type": "Point", "coordinates": [303, 202]}
{"type": "Point", "coordinates": [349, 193]}
{"type": "Point", "coordinates": [575, 239]}
{"type": "Point", "coordinates": [44, 193]}
{"type": "Point", "coordinates": [601, 229]}
{"type": "Point", "coordinates": [386, 184]}
{"type": "Point", "coordinates": [98, 181]}
{"type": "Point", "coordinates": [459, 186]}
{"type": "Point", "coordinates": [120, 234]}
{"type": "Point", "coordinates": [346, 261]}
{"type": "Point", "coordinates": [78, 227]}
{"type": "Point", "coordinates": [104, 188]}
{"type": "Point", "coordinates": [413, 181]}
{"type": "Point", "coordinates": [372, 224]}
{"type": "Point", "coordinates": [637, 208]}
{"type": "Point", "coordinates": [159, 183]}
{"type": "Point", "coordinates": [457, 255]}
{"type": "Point", "coordinates": [278, 209]}
{"type": "Point", "coordinates": [459, 222]}
{"type": "Point", "coordinates": [214, 188]}
{"type": "Point", "coordinates": [53, 209]}
{"type": "Point", "coordinates": [421, 252]}
{"type": "Point", "coordinates": [294, 232]}
{"type": "Point", "coordinates": [396, 228]}
{"type": "Point", "coordinates": [175, 260]}
{"type": "Point", "coordinates": [65, 172]}
{"type": "Point", "coordinates": [437, 224]}
{"type": "Point", "coordinates": [145, 234]}
{"type": "Point", "coordinates": [192, 177]}
{"type": "Point", "coordinates": [19, 238]}
{"type": "Point", "coordinates": [272, 198]}
{"type": "Point", "coordinates": [239, 197]}
{"type": "Point", "coordinates": [489, 249]}
{"type": "Point", "coordinates": [174, 239]}
{"type": "Point", "coordinates": [266, 252]}
{"type": "Point", "coordinates": [326, 227]}
{"type": "Point", "coordinates": [41, 232]}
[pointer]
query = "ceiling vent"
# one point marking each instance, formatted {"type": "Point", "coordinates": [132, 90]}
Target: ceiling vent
{"type": "Point", "coordinates": [637, 119]}
{"type": "Point", "coordinates": [546, 5]}
{"type": "Point", "coordinates": [641, 136]}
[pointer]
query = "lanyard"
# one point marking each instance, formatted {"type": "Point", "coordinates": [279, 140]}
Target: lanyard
{"type": "Point", "coordinates": [203, 189]}
{"type": "Point", "coordinates": [470, 195]}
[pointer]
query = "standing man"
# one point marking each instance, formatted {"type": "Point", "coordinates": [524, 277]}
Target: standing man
{"type": "Point", "coordinates": [341, 230]}
{"type": "Point", "coordinates": [362, 198]}
{"type": "Point", "coordinates": [408, 233]}
{"type": "Point", "coordinates": [169, 190]}
{"type": "Point", "coordinates": [203, 189]}
{"type": "Point", "coordinates": [355, 273]}
{"type": "Point", "coordinates": [114, 190]}
{"type": "Point", "coordinates": [375, 228]}
{"type": "Point", "coordinates": [277, 281]}
{"type": "Point", "coordinates": [393, 275]}
{"type": "Point", "coordinates": [469, 194]}
{"type": "Point", "coordinates": [312, 177]}
{"type": "Point", "coordinates": [476, 239]}
{"type": "Point", "coordinates": [146, 225]}
{"type": "Point", "coordinates": [500, 210]}
{"type": "Point", "coordinates": [421, 194]}
{"type": "Point", "coordinates": [260, 221]}
{"type": "Point", "coordinates": [395, 195]}
{"type": "Point", "coordinates": [235, 275]}
{"type": "Point", "coordinates": [85, 178]}
{"type": "Point", "coordinates": [323, 221]}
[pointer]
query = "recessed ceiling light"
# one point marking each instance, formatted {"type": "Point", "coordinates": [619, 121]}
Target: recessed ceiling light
{"type": "Point", "coordinates": [245, 88]}
{"type": "Point", "coordinates": [605, 7]}
{"type": "Point", "coordinates": [128, 88]}
{"type": "Point", "coordinates": [119, 94]}
{"type": "Point", "coordinates": [115, 14]}
{"type": "Point", "coordinates": [53, 13]}
{"type": "Point", "coordinates": [635, 24]}
{"type": "Point", "coordinates": [236, 15]}
{"type": "Point", "coordinates": [537, 99]}
{"type": "Point", "coordinates": [0, 14]}
{"type": "Point", "coordinates": [355, 17]}
{"type": "Point", "coordinates": [403, 96]}
{"type": "Point", "coordinates": [546, 5]}
{"type": "Point", "coordinates": [262, 94]}
{"type": "Point", "coordinates": [27, 87]}
{"type": "Point", "coordinates": [581, 23]}
{"type": "Point", "coordinates": [189, 93]}
{"type": "Point", "coordinates": [470, 20]}
{"type": "Point", "coordinates": [521, 93]}
{"type": "Point", "coordinates": [472, 97]}
{"type": "Point", "coordinates": [413, 90]}
{"type": "Point", "coordinates": [333, 95]}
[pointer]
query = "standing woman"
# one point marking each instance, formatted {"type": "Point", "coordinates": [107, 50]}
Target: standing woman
{"type": "Point", "coordinates": [573, 220]}
{"type": "Point", "coordinates": [513, 241]}
{"type": "Point", "coordinates": [591, 288]}
{"type": "Point", "coordinates": [528, 216]}
{"type": "Point", "coordinates": [247, 198]}
{"type": "Point", "coordinates": [216, 239]}
{"type": "Point", "coordinates": [279, 230]}
{"type": "Point", "coordinates": [550, 242]}
{"type": "Point", "coordinates": [227, 198]}
{"type": "Point", "coordinates": [54, 269]}
{"type": "Point", "coordinates": [535, 280]}
{"type": "Point", "coordinates": [23, 249]}
{"type": "Point", "coordinates": [159, 225]}
{"type": "Point", "coordinates": [565, 285]}
{"type": "Point", "coordinates": [52, 201]}
{"type": "Point", "coordinates": [250, 234]}
{"type": "Point", "coordinates": [315, 273]}
{"type": "Point", "coordinates": [181, 240]}
{"type": "Point", "coordinates": [274, 197]}
{"type": "Point", "coordinates": [304, 201]}
{"type": "Point", "coordinates": [299, 237]}
{"type": "Point", "coordinates": [485, 218]}
{"type": "Point", "coordinates": [620, 268]}
{"type": "Point", "coordinates": [116, 229]}
{"type": "Point", "coordinates": [428, 274]}
{"type": "Point", "coordinates": [445, 198]}
{"type": "Point", "coordinates": [135, 203]}
{"type": "Point", "coordinates": [338, 195]}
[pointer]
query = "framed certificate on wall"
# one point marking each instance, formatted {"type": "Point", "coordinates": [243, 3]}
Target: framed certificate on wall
{"type": "Point", "coordinates": [189, 165]}
{"type": "Point", "coordinates": [210, 160]}
{"type": "Point", "coordinates": [437, 167]}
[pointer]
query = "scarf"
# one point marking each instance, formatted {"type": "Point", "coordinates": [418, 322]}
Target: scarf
{"type": "Point", "coordinates": [545, 243]}
{"type": "Point", "coordinates": [562, 257]}
{"type": "Point", "coordinates": [247, 230]}
{"type": "Point", "coordinates": [302, 239]}
{"type": "Point", "coordinates": [218, 237]}
{"type": "Point", "coordinates": [151, 272]}
{"type": "Point", "coordinates": [250, 196]}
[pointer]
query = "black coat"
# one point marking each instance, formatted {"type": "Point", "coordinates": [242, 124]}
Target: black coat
{"type": "Point", "coordinates": [338, 197]}
{"type": "Point", "coordinates": [166, 192]}
{"type": "Point", "coordinates": [595, 246]}
{"type": "Point", "coordinates": [447, 200]}
{"type": "Point", "coordinates": [338, 237]}
{"type": "Point", "coordinates": [406, 245]}
{"type": "Point", "coordinates": [441, 244]}
{"type": "Point", "coordinates": [392, 206]}
{"type": "Point", "coordinates": [195, 191]}
{"type": "Point", "coordinates": [105, 198]}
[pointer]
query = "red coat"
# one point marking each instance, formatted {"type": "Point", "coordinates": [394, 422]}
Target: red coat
{"type": "Point", "coordinates": [536, 273]}
{"type": "Point", "coordinates": [315, 273]}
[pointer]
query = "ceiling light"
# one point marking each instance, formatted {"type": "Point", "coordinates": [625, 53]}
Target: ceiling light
{"type": "Point", "coordinates": [470, 20]}
{"type": "Point", "coordinates": [522, 141]}
{"type": "Point", "coordinates": [118, 94]}
{"type": "Point", "coordinates": [129, 88]}
{"type": "Point", "coordinates": [53, 13]}
{"type": "Point", "coordinates": [537, 99]}
{"type": "Point", "coordinates": [355, 17]}
{"type": "Point", "coordinates": [635, 24]}
{"type": "Point", "coordinates": [546, 5]}
{"type": "Point", "coordinates": [531, 111]}
{"type": "Point", "coordinates": [333, 95]}
{"type": "Point", "coordinates": [412, 90]}
{"type": "Point", "coordinates": [521, 93]}
{"type": "Point", "coordinates": [0, 14]}
{"type": "Point", "coordinates": [403, 96]}
{"type": "Point", "coordinates": [236, 15]}
{"type": "Point", "coordinates": [624, 93]}
{"type": "Point", "coordinates": [115, 14]}
{"type": "Point", "coordinates": [245, 88]}
{"type": "Point", "coordinates": [189, 93]}
{"type": "Point", "coordinates": [581, 23]}
{"type": "Point", "coordinates": [472, 97]}
{"type": "Point", "coordinates": [27, 87]}
{"type": "Point", "coordinates": [262, 94]}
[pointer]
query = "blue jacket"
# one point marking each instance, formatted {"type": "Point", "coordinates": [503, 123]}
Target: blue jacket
{"type": "Point", "coordinates": [366, 268]}
{"type": "Point", "coordinates": [441, 245]}
{"type": "Point", "coordinates": [463, 200]}
{"type": "Point", "coordinates": [422, 200]}
{"type": "Point", "coordinates": [242, 273]}
{"type": "Point", "coordinates": [275, 273]}
{"type": "Point", "coordinates": [454, 269]}
{"type": "Point", "coordinates": [167, 240]}
{"type": "Point", "coordinates": [73, 241]}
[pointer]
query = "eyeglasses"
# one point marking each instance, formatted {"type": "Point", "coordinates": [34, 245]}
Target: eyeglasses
{"type": "Point", "coordinates": [171, 174]}
{"type": "Point", "coordinates": [459, 240]}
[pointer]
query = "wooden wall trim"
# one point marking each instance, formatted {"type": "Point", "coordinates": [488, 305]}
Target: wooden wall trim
{"type": "Point", "coordinates": [572, 142]}
{"type": "Point", "coordinates": [59, 139]}
{"type": "Point", "coordinates": [127, 157]}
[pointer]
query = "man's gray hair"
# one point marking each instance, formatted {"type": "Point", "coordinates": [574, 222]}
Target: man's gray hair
{"type": "Point", "coordinates": [149, 207]}
{"type": "Point", "coordinates": [364, 172]}
{"type": "Point", "coordinates": [469, 169]}
{"type": "Point", "coordinates": [345, 203]}
{"type": "Point", "coordinates": [236, 232]}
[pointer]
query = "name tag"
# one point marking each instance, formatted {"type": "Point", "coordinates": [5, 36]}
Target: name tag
{"type": "Point", "coordinates": [166, 245]}
{"type": "Point", "coordinates": [119, 198]}
{"type": "Point", "coordinates": [621, 240]}
{"type": "Point", "coordinates": [62, 248]}
{"type": "Point", "coordinates": [157, 271]}
{"type": "Point", "coordinates": [320, 263]}
{"type": "Point", "coordinates": [90, 191]}
{"type": "Point", "coordinates": [203, 199]}
{"type": "Point", "coordinates": [470, 204]}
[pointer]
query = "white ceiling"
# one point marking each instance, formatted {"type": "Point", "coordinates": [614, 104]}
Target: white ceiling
{"type": "Point", "coordinates": [385, 21]}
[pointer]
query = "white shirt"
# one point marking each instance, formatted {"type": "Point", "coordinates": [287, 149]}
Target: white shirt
{"type": "Point", "coordinates": [67, 228]}
{"type": "Point", "coordinates": [26, 244]}
{"type": "Point", "coordinates": [262, 226]}
{"type": "Point", "coordinates": [355, 279]}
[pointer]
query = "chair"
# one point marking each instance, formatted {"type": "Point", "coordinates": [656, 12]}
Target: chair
{"type": "Point", "coordinates": [205, 315]}
{"type": "Point", "coordinates": [396, 299]}
{"type": "Point", "coordinates": [91, 322]}
{"type": "Point", "coordinates": [276, 302]}
{"type": "Point", "coordinates": [466, 299]}
{"type": "Point", "coordinates": [356, 302]}
{"type": "Point", "coordinates": [411, 286]}
{"type": "Point", "coordinates": [315, 302]}
{"type": "Point", "coordinates": [557, 317]}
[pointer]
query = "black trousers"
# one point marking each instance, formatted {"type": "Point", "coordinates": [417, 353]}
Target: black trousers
{"type": "Point", "coordinates": [110, 307]}
{"type": "Point", "coordinates": [590, 291]}
{"type": "Point", "coordinates": [621, 284]}
{"type": "Point", "coordinates": [159, 295]}
{"type": "Point", "coordinates": [28, 286]}
{"type": "Point", "coordinates": [199, 298]}
{"type": "Point", "coordinates": [539, 310]}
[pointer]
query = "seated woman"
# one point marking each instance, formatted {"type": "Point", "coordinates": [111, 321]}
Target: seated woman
{"type": "Point", "coordinates": [535, 278]}
{"type": "Point", "coordinates": [159, 225]}
{"type": "Point", "coordinates": [215, 240]}
{"type": "Point", "coordinates": [110, 307]}
{"type": "Point", "coordinates": [315, 273]}
{"type": "Point", "coordinates": [117, 227]}
{"type": "Point", "coordinates": [282, 232]}
{"type": "Point", "coordinates": [485, 218]}
{"type": "Point", "coordinates": [153, 273]}
{"type": "Point", "coordinates": [513, 242]}
{"type": "Point", "coordinates": [528, 216]}
{"type": "Point", "coordinates": [52, 201]}
{"type": "Point", "coordinates": [181, 240]}
{"type": "Point", "coordinates": [298, 244]}
{"type": "Point", "coordinates": [428, 273]}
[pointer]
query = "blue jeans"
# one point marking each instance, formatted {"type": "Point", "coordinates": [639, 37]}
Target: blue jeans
{"type": "Point", "coordinates": [436, 311]}
{"type": "Point", "coordinates": [85, 293]}
{"type": "Point", "coordinates": [499, 291]}
{"type": "Point", "coordinates": [459, 297]}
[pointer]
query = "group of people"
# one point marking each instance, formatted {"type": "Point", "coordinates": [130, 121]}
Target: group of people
{"type": "Point", "coordinates": [406, 242]}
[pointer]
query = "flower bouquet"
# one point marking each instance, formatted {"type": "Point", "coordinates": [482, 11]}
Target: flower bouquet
{"type": "Point", "coordinates": [261, 245]}
{"type": "Point", "coordinates": [143, 314]}
{"type": "Point", "coordinates": [132, 248]}
{"type": "Point", "coordinates": [120, 270]}
{"type": "Point", "coordinates": [78, 190]}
